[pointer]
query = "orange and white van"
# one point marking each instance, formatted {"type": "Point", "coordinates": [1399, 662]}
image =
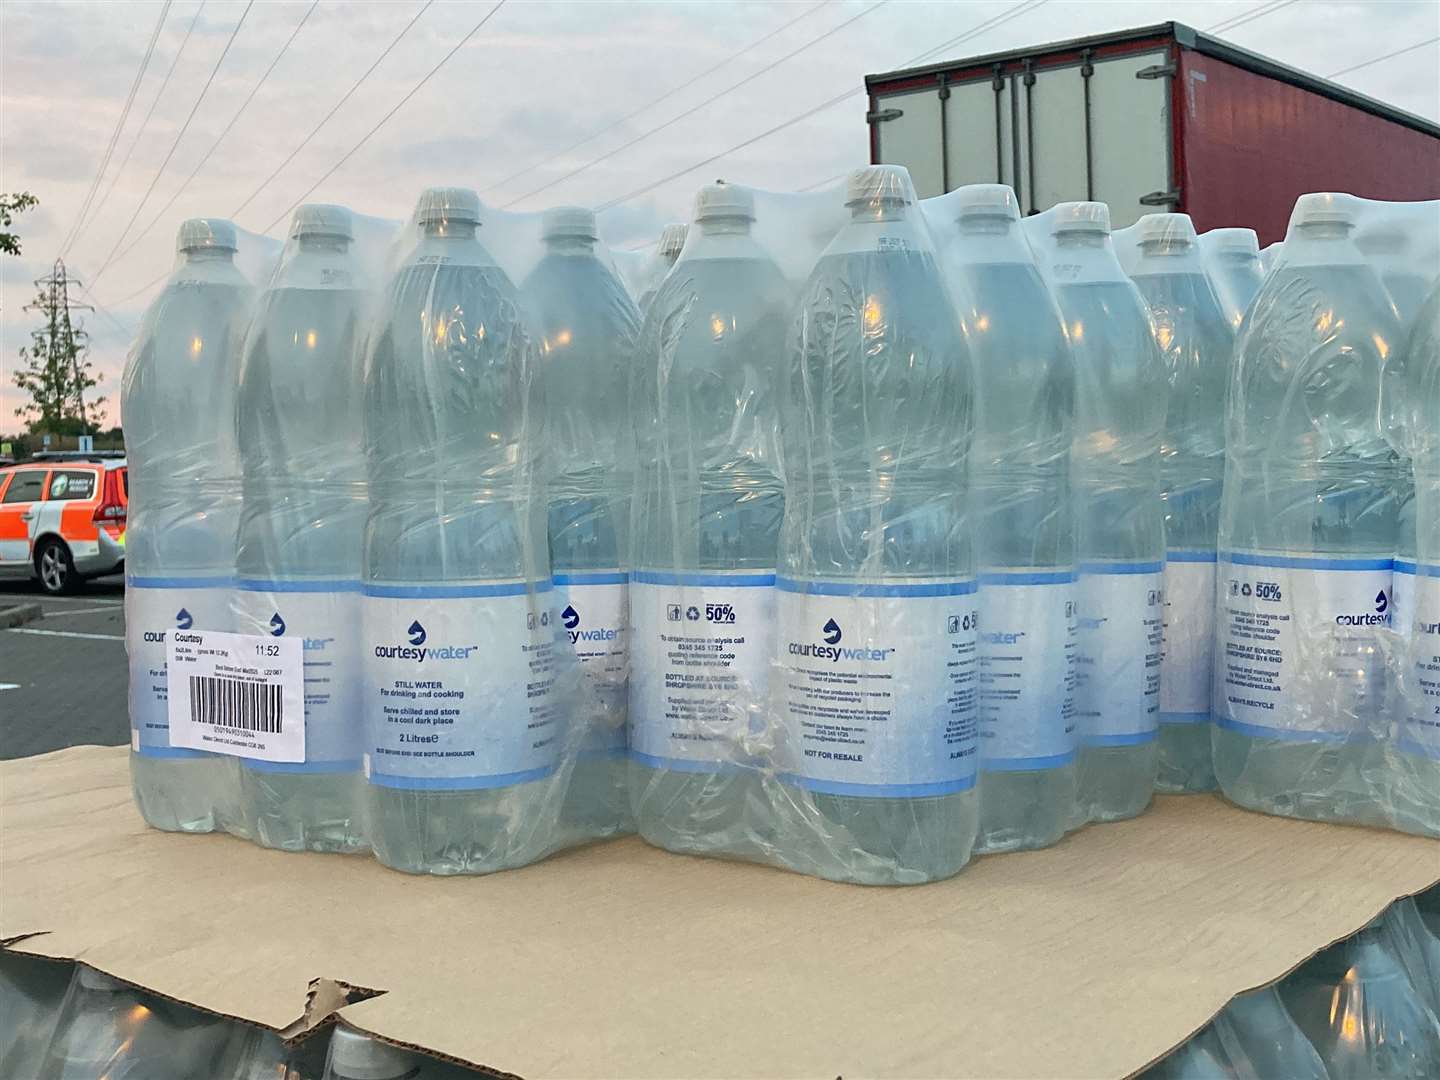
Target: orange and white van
{"type": "Point", "coordinates": [62, 521]}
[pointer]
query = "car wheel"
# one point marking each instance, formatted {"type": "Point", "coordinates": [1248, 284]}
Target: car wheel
{"type": "Point", "coordinates": [55, 568]}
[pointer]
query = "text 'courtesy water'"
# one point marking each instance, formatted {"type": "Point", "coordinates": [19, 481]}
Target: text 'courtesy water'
{"type": "Point", "coordinates": [463, 731]}
{"type": "Point", "coordinates": [708, 506]}
{"type": "Point", "coordinates": [1120, 391]}
{"type": "Point", "coordinates": [1024, 521]}
{"type": "Point", "coordinates": [302, 524]}
{"type": "Point", "coordinates": [178, 410]}
{"type": "Point", "coordinates": [1196, 344]}
{"type": "Point", "coordinates": [1307, 534]}
{"type": "Point", "coordinates": [588, 326]}
{"type": "Point", "coordinates": [877, 689]}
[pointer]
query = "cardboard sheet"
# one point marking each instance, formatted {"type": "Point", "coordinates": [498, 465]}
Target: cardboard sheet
{"type": "Point", "coordinates": [1091, 959]}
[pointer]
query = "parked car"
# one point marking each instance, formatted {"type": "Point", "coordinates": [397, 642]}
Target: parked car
{"type": "Point", "coordinates": [63, 521]}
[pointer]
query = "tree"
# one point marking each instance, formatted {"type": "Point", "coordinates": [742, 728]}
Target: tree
{"type": "Point", "coordinates": [56, 372]}
{"type": "Point", "coordinates": [10, 206]}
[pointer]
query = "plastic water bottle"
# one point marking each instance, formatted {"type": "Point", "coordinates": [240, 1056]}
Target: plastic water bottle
{"type": "Point", "coordinates": [31, 992]}
{"type": "Point", "coordinates": [1260, 1035]}
{"type": "Point", "coordinates": [1269, 255]}
{"type": "Point", "coordinates": [178, 408]}
{"type": "Point", "coordinates": [877, 609]}
{"type": "Point", "coordinates": [707, 523]}
{"type": "Point", "coordinates": [302, 524]}
{"type": "Point", "coordinates": [1307, 534]}
{"type": "Point", "coordinates": [588, 327]}
{"type": "Point", "coordinates": [1389, 249]}
{"type": "Point", "coordinates": [108, 1028]}
{"type": "Point", "coordinates": [354, 1056]}
{"type": "Point", "coordinates": [1232, 261]}
{"type": "Point", "coordinates": [463, 732]}
{"type": "Point", "coordinates": [1120, 398]}
{"type": "Point", "coordinates": [1024, 524]}
{"type": "Point", "coordinates": [672, 242]}
{"type": "Point", "coordinates": [1196, 344]}
{"type": "Point", "coordinates": [1361, 1012]}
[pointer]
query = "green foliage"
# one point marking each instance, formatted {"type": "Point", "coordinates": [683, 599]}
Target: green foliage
{"type": "Point", "coordinates": [11, 205]}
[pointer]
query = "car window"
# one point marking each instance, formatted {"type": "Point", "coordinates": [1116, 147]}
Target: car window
{"type": "Point", "coordinates": [25, 486]}
{"type": "Point", "coordinates": [71, 485]}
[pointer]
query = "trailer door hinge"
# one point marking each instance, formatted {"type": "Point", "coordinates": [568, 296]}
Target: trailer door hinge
{"type": "Point", "coordinates": [879, 116]}
{"type": "Point", "coordinates": [1157, 71]}
{"type": "Point", "coordinates": [1161, 198]}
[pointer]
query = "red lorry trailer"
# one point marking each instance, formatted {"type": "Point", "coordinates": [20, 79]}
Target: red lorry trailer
{"type": "Point", "coordinates": [1156, 119]}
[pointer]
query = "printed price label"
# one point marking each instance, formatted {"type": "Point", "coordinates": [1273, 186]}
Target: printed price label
{"type": "Point", "coordinates": [237, 694]}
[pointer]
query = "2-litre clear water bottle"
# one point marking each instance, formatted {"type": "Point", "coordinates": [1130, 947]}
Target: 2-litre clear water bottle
{"type": "Point", "coordinates": [1307, 534]}
{"type": "Point", "coordinates": [1232, 262]}
{"type": "Point", "coordinates": [588, 326]}
{"type": "Point", "coordinates": [1024, 524]}
{"type": "Point", "coordinates": [108, 1028]}
{"type": "Point", "coordinates": [877, 692]}
{"type": "Point", "coordinates": [355, 1056]}
{"type": "Point", "coordinates": [1358, 1007]}
{"type": "Point", "coordinates": [667, 251]}
{"type": "Point", "coordinates": [31, 992]}
{"type": "Point", "coordinates": [709, 500]}
{"type": "Point", "coordinates": [178, 408]}
{"type": "Point", "coordinates": [1259, 1035]}
{"type": "Point", "coordinates": [302, 524]}
{"type": "Point", "coordinates": [463, 731]}
{"type": "Point", "coordinates": [1120, 398]}
{"type": "Point", "coordinates": [1196, 344]}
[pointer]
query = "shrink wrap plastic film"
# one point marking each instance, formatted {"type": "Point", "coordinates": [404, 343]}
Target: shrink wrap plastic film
{"type": "Point", "coordinates": [1325, 686]}
{"type": "Point", "coordinates": [1163, 258]}
{"type": "Point", "coordinates": [1232, 262]}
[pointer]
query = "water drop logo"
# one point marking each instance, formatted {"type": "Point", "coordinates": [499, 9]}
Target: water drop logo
{"type": "Point", "coordinates": [1382, 602]}
{"type": "Point", "coordinates": [570, 617]}
{"type": "Point", "coordinates": [183, 620]}
{"type": "Point", "coordinates": [277, 625]}
{"type": "Point", "coordinates": [417, 633]}
{"type": "Point", "coordinates": [831, 630]}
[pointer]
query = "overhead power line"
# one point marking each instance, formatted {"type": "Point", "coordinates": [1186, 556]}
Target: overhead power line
{"type": "Point", "coordinates": [656, 101]}
{"type": "Point", "coordinates": [334, 108]}
{"type": "Point", "coordinates": [696, 108]}
{"type": "Point", "coordinates": [385, 119]}
{"type": "Point", "coordinates": [110, 258]}
{"type": "Point", "coordinates": [221, 137]}
{"type": "Point", "coordinates": [115, 135]}
{"type": "Point", "coordinates": [149, 113]}
{"type": "Point", "coordinates": [1387, 56]}
{"type": "Point", "coordinates": [1025, 7]}
{"type": "Point", "coordinates": [1249, 15]}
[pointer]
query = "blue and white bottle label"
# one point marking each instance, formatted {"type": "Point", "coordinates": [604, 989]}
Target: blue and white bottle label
{"type": "Point", "coordinates": [154, 607]}
{"type": "Point", "coordinates": [1402, 597]}
{"type": "Point", "coordinates": [1420, 732]}
{"type": "Point", "coordinates": [1028, 652]}
{"type": "Point", "coordinates": [700, 655]}
{"type": "Point", "coordinates": [594, 617]}
{"type": "Point", "coordinates": [879, 690]}
{"type": "Point", "coordinates": [1187, 667]}
{"type": "Point", "coordinates": [325, 617]}
{"type": "Point", "coordinates": [1121, 634]}
{"type": "Point", "coordinates": [1300, 650]}
{"type": "Point", "coordinates": [459, 685]}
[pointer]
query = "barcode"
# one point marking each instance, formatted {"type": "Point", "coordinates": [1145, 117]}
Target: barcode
{"type": "Point", "coordinates": [233, 703]}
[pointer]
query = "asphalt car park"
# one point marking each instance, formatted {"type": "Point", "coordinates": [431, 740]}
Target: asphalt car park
{"type": "Point", "coordinates": [63, 675]}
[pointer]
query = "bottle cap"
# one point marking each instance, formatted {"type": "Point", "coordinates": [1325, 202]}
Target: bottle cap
{"type": "Point", "coordinates": [672, 240]}
{"type": "Point", "coordinates": [91, 979]}
{"type": "Point", "coordinates": [987, 200]}
{"type": "Point", "coordinates": [445, 204]}
{"type": "Point", "coordinates": [568, 222]}
{"type": "Point", "coordinates": [1082, 217]}
{"type": "Point", "coordinates": [1176, 229]}
{"type": "Point", "coordinates": [1233, 241]}
{"type": "Point", "coordinates": [723, 200]}
{"type": "Point", "coordinates": [1324, 208]}
{"type": "Point", "coordinates": [358, 1057]}
{"type": "Point", "coordinates": [321, 219]}
{"type": "Point", "coordinates": [205, 234]}
{"type": "Point", "coordinates": [876, 185]}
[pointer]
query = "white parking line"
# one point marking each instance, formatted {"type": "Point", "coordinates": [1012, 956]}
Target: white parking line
{"type": "Point", "coordinates": [9, 686]}
{"type": "Point", "coordinates": [81, 611]}
{"type": "Point", "coordinates": [80, 600]}
{"type": "Point", "coordinates": [65, 633]}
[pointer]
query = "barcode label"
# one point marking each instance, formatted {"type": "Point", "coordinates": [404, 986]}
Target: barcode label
{"type": "Point", "coordinates": [233, 703]}
{"type": "Point", "coordinates": [238, 694]}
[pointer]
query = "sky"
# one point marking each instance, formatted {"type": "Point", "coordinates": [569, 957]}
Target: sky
{"type": "Point", "coordinates": [508, 109]}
